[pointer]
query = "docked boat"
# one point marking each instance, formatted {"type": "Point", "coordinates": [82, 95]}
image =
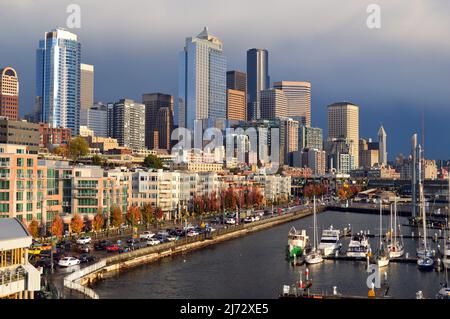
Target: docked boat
{"type": "Point", "coordinates": [444, 293]}
{"type": "Point", "coordinates": [314, 256]}
{"type": "Point", "coordinates": [329, 242]}
{"type": "Point", "coordinates": [446, 255]}
{"type": "Point", "coordinates": [359, 246]}
{"type": "Point", "coordinates": [382, 256]}
{"type": "Point", "coordinates": [395, 247]}
{"type": "Point", "coordinates": [297, 241]}
{"type": "Point", "coordinates": [425, 264]}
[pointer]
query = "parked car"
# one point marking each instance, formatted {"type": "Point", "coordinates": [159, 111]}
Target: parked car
{"type": "Point", "coordinates": [68, 261]}
{"type": "Point", "coordinates": [192, 233]}
{"type": "Point", "coordinates": [163, 233]}
{"type": "Point", "coordinates": [101, 245]}
{"type": "Point", "coordinates": [135, 243]}
{"type": "Point", "coordinates": [43, 263]}
{"type": "Point", "coordinates": [146, 235]}
{"type": "Point", "coordinates": [230, 221]}
{"type": "Point", "coordinates": [256, 218]}
{"type": "Point", "coordinates": [83, 249]}
{"type": "Point", "coordinates": [86, 258]}
{"type": "Point", "coordinates": [83, 240]}
{"type": "Point", "coordinates": [180, 232]}
{"type": "Point", "coordinates": [112, 248]}
{"type": "Point", "coordinates": [171, 238]}
{"type": "Point", "coordinates": [153, 242]}
{"type": "Point", "coordinates": [248, 219]}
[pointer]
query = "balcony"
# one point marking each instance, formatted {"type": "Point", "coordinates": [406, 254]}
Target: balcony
{"type": "Point", "coordinates": [19, 278]}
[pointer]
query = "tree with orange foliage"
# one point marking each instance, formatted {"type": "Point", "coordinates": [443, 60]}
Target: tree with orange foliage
{"type": "Point", "coordinates": [147, 213]}
{"type": "Point", "coordinates": [33, 228]}
{"type": "Point", "coordinates": [98, 222]}
{"type": "Point", "coordinates": [230, 199]}
{"type": "Point", "coordinates": [133, 215]}
{"type": "Point", "coordinates": [116, 216]}
{"type": "Point", "coordinates": [77, 224]}
{"type": "Point", "coordinates": [57, 226]}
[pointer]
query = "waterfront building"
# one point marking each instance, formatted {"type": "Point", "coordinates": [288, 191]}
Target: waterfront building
{"type": "Point", "coordinates": [257, 80]}
{"type": "Point", "coordinates": [58, 60]}
{"type": "Point", "coordinates": [382, 152]}
{"type": "Point", "coordinates": [126, 123]}
{"type": "Point", "coordinates": [310, 137]}
{"type": "Point", "coordinates": [202, 81]}
{"type": "Point", "coordinates": [197, 166]}
{"type": "Point", "coordinates": [53, 136]}
{"type": "Point", "coordinates": [18, 278]}
{"type": "Point", "coordinates": [298, 95]}
{"type": "Point", "coordinates": [158, 120]}
{"type": "Point", "coordinates": [9, 93]}
{"type": "Point", "coordinates": [86, 86]}
{"type": "Point", "coordinates": [273, 104]}
{"type": "Point", "coordinates": [19, 133]}
{"type": "Point", "coordinates": [274, 187]}
{"type": "Point", "coordinates": [429, 169]}
{"type": "Point", "coordinates": [343, 123]}
{"type": "Point", "coordinates": [95, 117]}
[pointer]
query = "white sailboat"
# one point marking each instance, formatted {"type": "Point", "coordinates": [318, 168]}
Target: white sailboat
{"type": "Point", "coordinates": [425, 261]}
{"type": "Point", "coordinates": [314, 256]}
{"type": "Point", "coordinates": [395, 248]}
{"type": "Point", "coordinates": [446, 241]}
{"type": "Point", "coordinates": [382, 255]}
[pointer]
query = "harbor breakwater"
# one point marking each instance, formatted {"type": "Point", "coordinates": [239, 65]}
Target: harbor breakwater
{"type": "Point", "coordinates": [81, 279]}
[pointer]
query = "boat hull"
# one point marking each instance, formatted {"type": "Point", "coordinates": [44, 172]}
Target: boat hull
{"type": "Point", "coordinates": [425, 264]}
{"type": "Point", "coordinates": [382, 262]}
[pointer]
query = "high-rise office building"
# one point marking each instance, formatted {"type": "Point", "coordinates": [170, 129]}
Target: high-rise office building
{"type": "Point", "coordinates": [126, 123]}
{"type": "Point", "coordinates": [9, 93]}
{"type": "Point", "coordinates": [237, 80]}
{"type": "Point", "coordinates": [382, 152]}
{"type": "Point", "coordinates": [288, 139]}
{"type": "Point", "coordinates": [343, 123]}
{"type": "Point", "coordinates": [95, 118]}
{"type": "Point", "coordinates": [273, 104]}
{"type": "Point", "coordinates": [202, 81]}
{"type": "Point", "coordinates": [257, 80]}
{"type": "Point", "coordinates": [58, 60]}
{"type": "Point", "coordinates": [310, 137]}
{"type": "Point", "coordinates": [87, 85]}
{"type": "Point", "coordinates": [299, 100]}
{"type": "Point", "coordinates": [158, 120]}
{"type": "Point", "coordinates": [368, 153]}
{"type": "Point", "coordinates": [236, 105]}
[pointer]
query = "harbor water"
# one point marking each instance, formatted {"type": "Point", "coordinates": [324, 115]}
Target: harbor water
{"type": "Point", "coordinates": [255, 266]}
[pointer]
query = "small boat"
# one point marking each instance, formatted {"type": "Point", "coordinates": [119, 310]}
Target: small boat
{"type": "Point", "coordinates": [359, 246]}
{"type": "Point", "coordinates": [444, 293]}
{"type": "Point", "coordinates": [382, 255]}
{"type": "Point", "coordinates": [425, 264]}
{"type": "Point", "coordinates": [329, 241]}
{"type": "Point", "coordinates": [314, 256]}
{"type": "Point", "coordinates": [347, 231]}
{"type": "Point", "coordinates": [297, 241]}
{"type": "Point", "coordinates": [396, 248]}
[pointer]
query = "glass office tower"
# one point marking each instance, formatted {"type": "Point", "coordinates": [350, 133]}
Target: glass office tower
{"type": "Point", "coordinates": [257, 80]}
{"type": "Point", "coordinates": [58, 79]}
{"type": "Point", "coordinates": [202, 81]}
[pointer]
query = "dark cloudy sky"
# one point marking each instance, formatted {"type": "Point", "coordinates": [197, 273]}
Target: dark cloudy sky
{"type": "Point", "coordinates": [394, 73]}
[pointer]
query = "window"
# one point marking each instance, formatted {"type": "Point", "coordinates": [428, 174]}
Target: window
{"type": "Point", "coordinates": [19, 207]}
{"type": "Point", "coordinates": [4, 208]}
{"type": "Point", "coordinates": [4, 184]}
{"type": "Point", "coordinates": [19, 196]}
{"type": "Point", "coordinates": [20, 162]}
{"type": "Point", "coordinates": [29, 207]}
{"type": "Point", "coordinates": [29, 196]}
{"type": "Point", "coordinates": [4, 196]}
{"type": "Point", "coordinates": [29, 217]}
{"type": "Point", "coordinates": [29, 162]}
{"type": "Point", "coordinates": [4, 161]}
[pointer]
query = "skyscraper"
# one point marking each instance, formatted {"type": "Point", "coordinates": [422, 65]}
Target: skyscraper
{"type": "Point", "coordinates": [58, 61]}
{"type": "Point", "coordinates": [257, 80]}
{"type": "Point", "coordinates": [158, 120]}
{"type": "Point", "coordinates": [310, 137]}
{"type": "Point", "coordinates": [87, 85]}
{"type": "Point", "coordinates": [95, 118]}
{"type": "Point", "coordinates": [343, 123]}
{"type": "Point", "coordinates": [382, 151]}
{"type": "Point", "coordinates": [273, 104]}
{"type": "Point", "coordinates": [299, 100]}
{"type": "Point", "coordinates": [126, 123]}
{"type": "Point", "coordinates": [236, 105]}
{"type": "Point", "coordinates": [202, 81]}
{"type": "Point", "coordinates": [237, 80]}
{"type": "Point", "coordinates": [9, 93]}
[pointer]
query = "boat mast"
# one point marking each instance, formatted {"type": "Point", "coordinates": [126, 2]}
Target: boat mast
{"type": "Point", "coordinates": [390, 225]}
{"type": "Point", "coordinates": [314, 220]}
{"type": "Point", "coordinates": [395, 220]}
{"type": "Point", "coordinates": [381, 230]}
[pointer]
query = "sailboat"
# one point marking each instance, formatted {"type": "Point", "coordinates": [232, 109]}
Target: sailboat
{"type": "Point", "coordinates": [382, 255]}
{"type": "Point", "coordinates": [314, 256]}
{"type": "Point", "coordinates": [446, 241]}
{"type": "Point", "coordinates": [444, 292]}
{"type": "Point", "coordinates": [425, 262]}
{"type": "Point", "coordinates": [395, 248]}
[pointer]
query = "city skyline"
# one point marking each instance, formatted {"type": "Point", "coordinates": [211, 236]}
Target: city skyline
{"type": "Point", "coordinates": [378, 90]}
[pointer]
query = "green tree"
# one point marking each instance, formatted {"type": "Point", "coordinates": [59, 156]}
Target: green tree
{"type": "Point", "coordinates": [78, 147]}
{"type": "Point", "coordinates": [153, 161]}
{"type": "Point", "coordinates": [97, 160]}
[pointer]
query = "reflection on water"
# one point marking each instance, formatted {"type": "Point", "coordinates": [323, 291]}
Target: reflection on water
{"type": "Point", "coordinates": [255, 267]}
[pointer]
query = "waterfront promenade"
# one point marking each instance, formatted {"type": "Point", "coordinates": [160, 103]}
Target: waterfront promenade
{"type": "Point", "coordinates": [107, 266]}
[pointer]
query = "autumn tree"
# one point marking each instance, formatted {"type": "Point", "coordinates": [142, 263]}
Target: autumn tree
{"type": "Point", "coordinates": [147, 213]}
{"type": "Point", "coordinates": [133, 215]}
{"type": "Point", "coordinates": [77, 224]}
{"type": "Point", "coordinates": [97, 160]}
{"type": "Point", "coordinates": [33, 228]}
{"type": "Point", "coordinates": [98, 222]}
{"type": "Point", "coordinates": [57, 226]}
{"type": "Point", "coordinates": [78, 147]}
{"type": "Point", "coordinates": [116, 216]}
{"type": "Point", "coordinates": [153, 161]}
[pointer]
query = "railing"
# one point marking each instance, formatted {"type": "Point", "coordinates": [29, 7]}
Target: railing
{"type": "Point", "coordinates": [72, 281]}
{"type": "Point", "coordinates": [11, 275]}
